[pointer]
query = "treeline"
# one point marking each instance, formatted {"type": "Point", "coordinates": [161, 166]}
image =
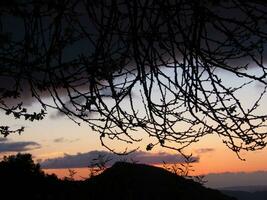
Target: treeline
{"type": "Point", "coordinates": [21, 178]}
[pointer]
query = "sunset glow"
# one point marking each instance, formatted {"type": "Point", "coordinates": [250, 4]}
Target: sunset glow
{"type": "Point", "coordinates": [151, 82]}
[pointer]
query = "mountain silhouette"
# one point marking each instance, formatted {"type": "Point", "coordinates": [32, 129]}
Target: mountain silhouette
{"type": "Point", "coordinates": [139, 181]}
{"type": "Point", "coordinates": [21, 178]}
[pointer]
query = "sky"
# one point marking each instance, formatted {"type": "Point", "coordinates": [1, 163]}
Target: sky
{"type": "Point", "coordinates": [62, 144]}
{"type": "Point", "coordinates": [59, 144]}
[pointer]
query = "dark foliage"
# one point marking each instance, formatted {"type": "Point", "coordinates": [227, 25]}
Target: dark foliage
{"type": "Point", "coordinates": [22, 179]}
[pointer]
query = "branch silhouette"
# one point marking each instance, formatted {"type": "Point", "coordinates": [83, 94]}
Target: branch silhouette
{"type": "Point", "coordinates": [125, 66]}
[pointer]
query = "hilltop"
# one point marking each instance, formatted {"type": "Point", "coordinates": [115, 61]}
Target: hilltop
{"type": "Point", "coordinates": [22, 178]}
{"type": "Point", "coordinates": [138, 181]}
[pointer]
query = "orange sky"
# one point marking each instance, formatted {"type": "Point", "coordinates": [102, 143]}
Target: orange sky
{"type": "Point", "coordinates": [59, 135]}
{"type": "Point", "coordinates": [81, 139]}
{"type": "Point", "coordinates": [220, 160]}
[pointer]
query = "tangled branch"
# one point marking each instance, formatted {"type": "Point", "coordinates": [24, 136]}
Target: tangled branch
{"type": "Point", "coordinates": [157, 66]}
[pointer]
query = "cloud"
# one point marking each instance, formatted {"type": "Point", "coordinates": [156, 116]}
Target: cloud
{"type": "Point", "coordinates": [64, 140]}
{"type": "Point", "coordinates": [7, 146]}
{"type": "Point", "coordinates": [72, 51]}
{"type": "Point", "coordinates": [233, 179]}
{"type": "Point", "coordinates": [59, 140]}
{"type": "Point", "coordinates": [84, 159]}
{"type": "Point", "coordinates": [3, 139]}
{"type": "Point", "coordinates": [56, 114]}
{"type": "Point", "coordinates": [204, 150]}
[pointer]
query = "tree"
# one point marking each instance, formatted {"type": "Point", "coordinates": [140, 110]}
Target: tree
{"type": "Point", "coordinates": [124, 66]}
{"type": "Point", "coordinates": [18, 170]}
{"type": "Point", "coordinates": [20, 164]}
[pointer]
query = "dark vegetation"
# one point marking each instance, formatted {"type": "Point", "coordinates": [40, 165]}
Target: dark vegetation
{"type": "Point", "coordinates": [21, 178]}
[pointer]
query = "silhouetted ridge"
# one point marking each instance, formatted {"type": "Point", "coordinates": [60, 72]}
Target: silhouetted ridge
{"type": "Point", "coordinates": [139, 181]}
{"type": "Point", "coordinates": [21, 178]}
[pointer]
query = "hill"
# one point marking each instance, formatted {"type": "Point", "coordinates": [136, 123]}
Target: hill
{"type": "Point", "coordinates": [138, 181]}
{"type": "Point", "coordinates": [21, 178]}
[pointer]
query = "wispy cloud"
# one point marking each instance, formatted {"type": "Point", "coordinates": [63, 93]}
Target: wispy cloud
{"type": "Point", "coordinates": [3, 139]}
{"type": "Point", "coordinates": [204, 150]}
{"type": "Point", "coordinates": [8, 146]}
{"type": "Point", "coordinates": [84, 159]}
{"type": "Point", "coordinates": [64, 140]}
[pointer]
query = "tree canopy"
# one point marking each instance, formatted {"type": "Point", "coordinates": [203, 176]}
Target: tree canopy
{"type": "Point", "coordinates": [125, 66]}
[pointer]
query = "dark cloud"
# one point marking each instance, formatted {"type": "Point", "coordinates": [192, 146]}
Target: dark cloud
{"type": "Point", "coordinates": [7, 146]}
{"type": "Point", "coordinates": [3, 139]}
{"type": "Point", "coordinates": [56, 114]}
{"type": "Point", "coordinates": [59, 140]}
{"type": "Point", "coordinates": [68, 105]}
{"type": "Point", "coordinates": [84, 159]}
{"type": "Point", "coordinates": [204, 150]}
{"type": "Point", "coordinates": [64, 140]}
{"type": "Point", "coordinates": [73, 51]}
{"type": "Point", "coordinates": [8, 83]}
